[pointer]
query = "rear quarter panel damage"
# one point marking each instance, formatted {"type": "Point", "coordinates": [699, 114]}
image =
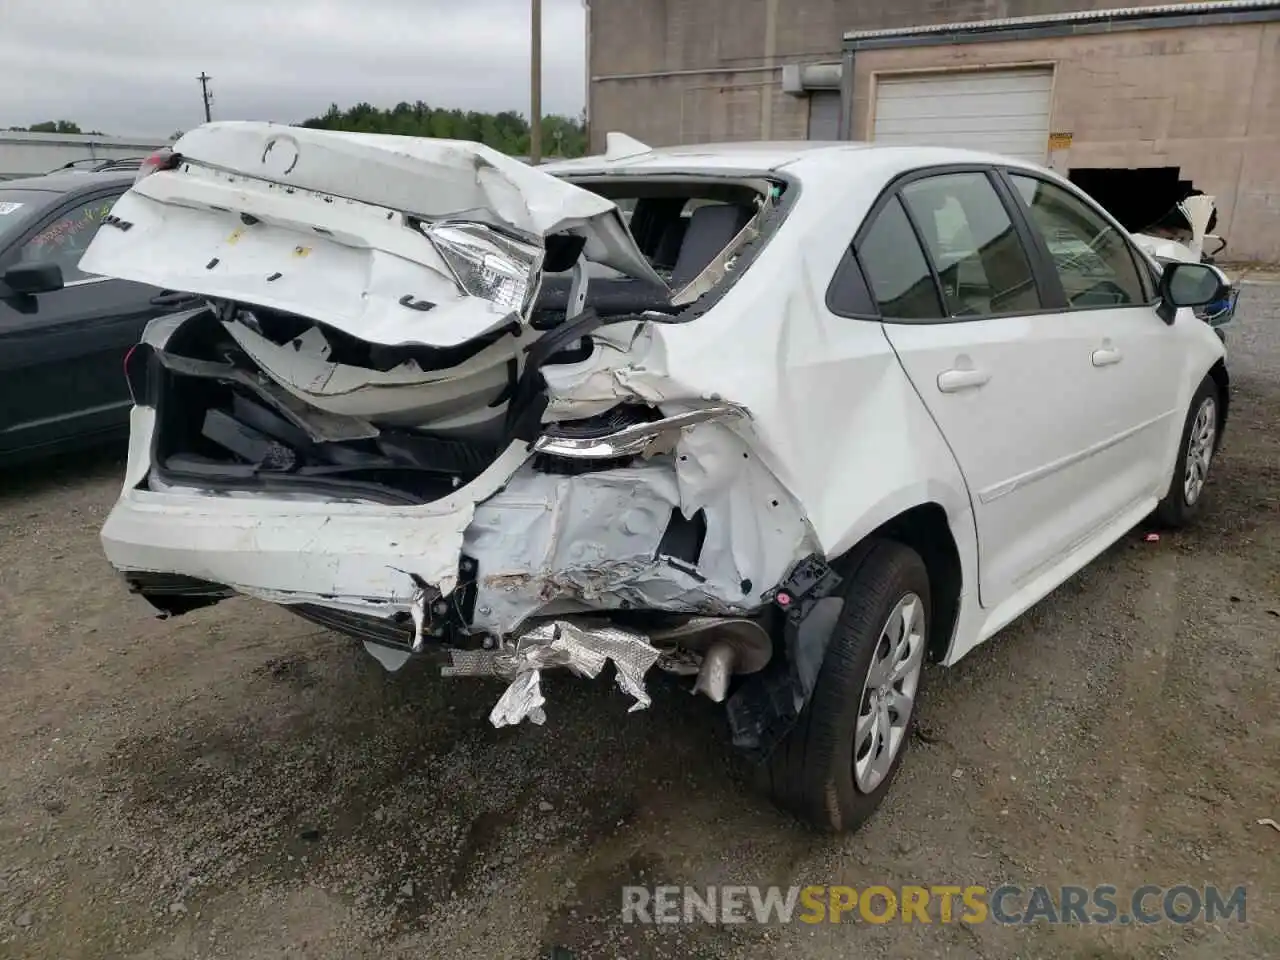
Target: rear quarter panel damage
{"type": "Point", "coordinates": [560, 544]}
{"type": "Point", "coordinates": [837, 442]}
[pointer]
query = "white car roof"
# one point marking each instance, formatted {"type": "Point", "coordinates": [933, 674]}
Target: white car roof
{"type": "Point", "coordinates": [796, 155]}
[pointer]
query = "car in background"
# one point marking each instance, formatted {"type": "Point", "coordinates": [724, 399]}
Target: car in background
{"type": "Point", "coordinates": [1181, 236]}
{"type": "Point", "coordinates": [102, 165]}
{"type": "Point", "coordinates": [64, 333]}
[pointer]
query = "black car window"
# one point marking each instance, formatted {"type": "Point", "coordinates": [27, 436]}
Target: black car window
{"type": "Point", "coordinates": [65, 239]}
{"type": "Point", "coordinates": [896, 268]}
{"type": "Point", "coordinates": [848, 295]}
{"type": "Point", "coordinates": [974, 246]}
{"type": "Point", "coordinates": [18, 208]}
{"type": "Point", "coordinates": [1093, 258]}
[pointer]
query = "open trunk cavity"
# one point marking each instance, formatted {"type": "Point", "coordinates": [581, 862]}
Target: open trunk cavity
{"type": "Point", "coordinates": [333, 417]}
{"type": "Point", "coordinates": [226, 423]}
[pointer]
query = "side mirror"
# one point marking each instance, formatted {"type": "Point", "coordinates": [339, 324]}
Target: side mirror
{"type": "Point", "coordinates": [42, 277]}
{"type": "Point", "coordinates": [1184, 284]}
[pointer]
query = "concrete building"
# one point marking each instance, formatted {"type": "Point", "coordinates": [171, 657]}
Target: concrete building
{"type": "Point", "coordinates": [1137, 103]}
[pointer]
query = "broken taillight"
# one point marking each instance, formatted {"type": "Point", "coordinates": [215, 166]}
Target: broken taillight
{"type": "Point", "coordinates": [162, 159]}
{"type": "Point", "coordinates": [487, 264]}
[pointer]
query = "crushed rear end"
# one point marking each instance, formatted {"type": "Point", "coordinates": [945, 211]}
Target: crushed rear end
{"type": "Point", "coordinates": [402, 415]}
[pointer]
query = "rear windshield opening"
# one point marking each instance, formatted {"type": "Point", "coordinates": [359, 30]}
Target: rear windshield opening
{"type": "Point", "coordinates": [662, 218]}
{"type": "Point", "coordinates": [681, 226]}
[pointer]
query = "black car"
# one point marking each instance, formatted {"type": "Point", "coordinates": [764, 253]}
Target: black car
{"type": "Point", "coordinates": [64, 333]}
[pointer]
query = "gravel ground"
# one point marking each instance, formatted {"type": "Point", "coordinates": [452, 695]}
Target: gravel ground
{"type": "Point", "coordinates": [237, 783]}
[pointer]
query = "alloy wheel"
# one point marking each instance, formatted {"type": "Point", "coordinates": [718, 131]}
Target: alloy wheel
{"type": "Point", "coordinates": [1200, 444]}
{"type": "Point", "coordinates": [889, 693]}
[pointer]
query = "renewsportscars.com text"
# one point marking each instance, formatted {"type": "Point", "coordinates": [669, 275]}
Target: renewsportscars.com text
{"type": "Point", "coordinates": [1007, 904]}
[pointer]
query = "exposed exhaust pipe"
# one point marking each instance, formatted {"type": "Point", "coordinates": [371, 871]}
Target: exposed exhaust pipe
{"type": "Point", "coordinates": [728, 645]}
{"type": "Point", "coordinates": [717, 669]}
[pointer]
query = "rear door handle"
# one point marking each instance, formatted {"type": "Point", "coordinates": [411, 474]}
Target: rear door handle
{"type": "Point", "coordinates": [953, 381]}
{"type": "Point", "coordinates": [1106, 357]}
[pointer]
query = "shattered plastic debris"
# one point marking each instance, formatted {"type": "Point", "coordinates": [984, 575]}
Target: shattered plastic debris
{"type": "Point", "coordinates": [1152, 538]}
{"type": "Point", "coordinates": [582, 649]}
{"type": "Point", "coordinates": [1268, 822]}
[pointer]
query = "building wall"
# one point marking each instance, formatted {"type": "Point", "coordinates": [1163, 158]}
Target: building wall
{"type": "Point", "coordinates": [688, 71]}
{"type": "Point", "coordinates": [1204, 100]}
{"type": "Point", "coordinates": [24, 154]}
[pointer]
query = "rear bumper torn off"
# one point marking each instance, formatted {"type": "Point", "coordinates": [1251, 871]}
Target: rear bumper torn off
{"type": "Point", "coordinates": [533, 570]}
{"type": "Point", "coordinates": [542, 545]}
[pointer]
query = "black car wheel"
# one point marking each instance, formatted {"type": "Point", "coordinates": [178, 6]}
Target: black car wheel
{"type": "Point", "coordinates": [838, 762]}
{"type": "Point", "coordinates": [1196, 449]}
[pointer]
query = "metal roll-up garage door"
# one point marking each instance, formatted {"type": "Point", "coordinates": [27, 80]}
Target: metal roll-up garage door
{"type": "Point", "coordinates": [824, 115]}
{"type": "Point", "coordinates": [999, 111]}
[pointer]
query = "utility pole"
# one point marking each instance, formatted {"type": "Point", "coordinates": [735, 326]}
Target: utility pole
{"type": "Point", "coordinates": [204, 79]}
{"type": "Point", "coordinates": [535, 94]}
{"type": "Point", "coordinates": [586, 90]}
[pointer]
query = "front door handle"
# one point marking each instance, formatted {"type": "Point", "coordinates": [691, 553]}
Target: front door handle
{"type": "Point", "coordinates": [953, 381]}
{"type": "Point", "coordinates": [1106, 356]}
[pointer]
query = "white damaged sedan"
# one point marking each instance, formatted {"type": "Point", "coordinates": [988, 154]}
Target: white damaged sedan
{"type": "Point", "coordinates": [787, 419]}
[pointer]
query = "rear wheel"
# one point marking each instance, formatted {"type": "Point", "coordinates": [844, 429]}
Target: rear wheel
{"type": "Point", "coordinates": [838, 762]}
{"type": "Point", "coordinates": [1198, 445]}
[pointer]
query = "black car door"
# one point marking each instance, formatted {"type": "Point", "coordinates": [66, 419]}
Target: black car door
{"type": "Point", "coordinates": [62, 352]}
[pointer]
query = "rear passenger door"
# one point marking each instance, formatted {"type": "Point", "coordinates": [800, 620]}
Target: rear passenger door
{"type": "Point", "coordinates": [971, 308]}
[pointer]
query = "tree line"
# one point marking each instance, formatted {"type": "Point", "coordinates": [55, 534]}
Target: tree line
{"type": "Point", "coordinates": [507, 131]}
{"type": "Point", "coordinates": [57, 126]}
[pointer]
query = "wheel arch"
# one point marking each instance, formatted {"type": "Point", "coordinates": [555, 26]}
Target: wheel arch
{"type": "Point", "coordinates": [927, 529]}
{"type": "Point", "coordinates": [1222, 379]}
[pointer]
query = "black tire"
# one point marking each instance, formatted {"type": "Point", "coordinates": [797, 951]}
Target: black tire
{"type": "Point", "coordinates": [811, 773]}
{"type": "Point", "coordinates": [1176, 510]}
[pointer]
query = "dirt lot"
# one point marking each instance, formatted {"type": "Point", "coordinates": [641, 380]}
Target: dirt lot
{"type": "Point", "coordinates": [237, 783]}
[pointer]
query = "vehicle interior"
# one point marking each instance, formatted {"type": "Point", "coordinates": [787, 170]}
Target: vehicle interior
{"type": "Point", "coordinates": [681, 226]}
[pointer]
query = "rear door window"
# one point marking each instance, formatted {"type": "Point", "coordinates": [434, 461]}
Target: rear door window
{"type": "Point", "coordinates": [898, 273]}
{"type": "Point", "coordinates": [980, 259]}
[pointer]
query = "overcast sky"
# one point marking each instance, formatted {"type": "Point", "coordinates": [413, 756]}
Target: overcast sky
{"type": "Point", "coordinates": [130, 66]}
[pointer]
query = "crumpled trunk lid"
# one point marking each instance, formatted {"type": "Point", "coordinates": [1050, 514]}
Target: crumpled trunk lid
{"type": "Point", "coordinates": [394, 240]}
